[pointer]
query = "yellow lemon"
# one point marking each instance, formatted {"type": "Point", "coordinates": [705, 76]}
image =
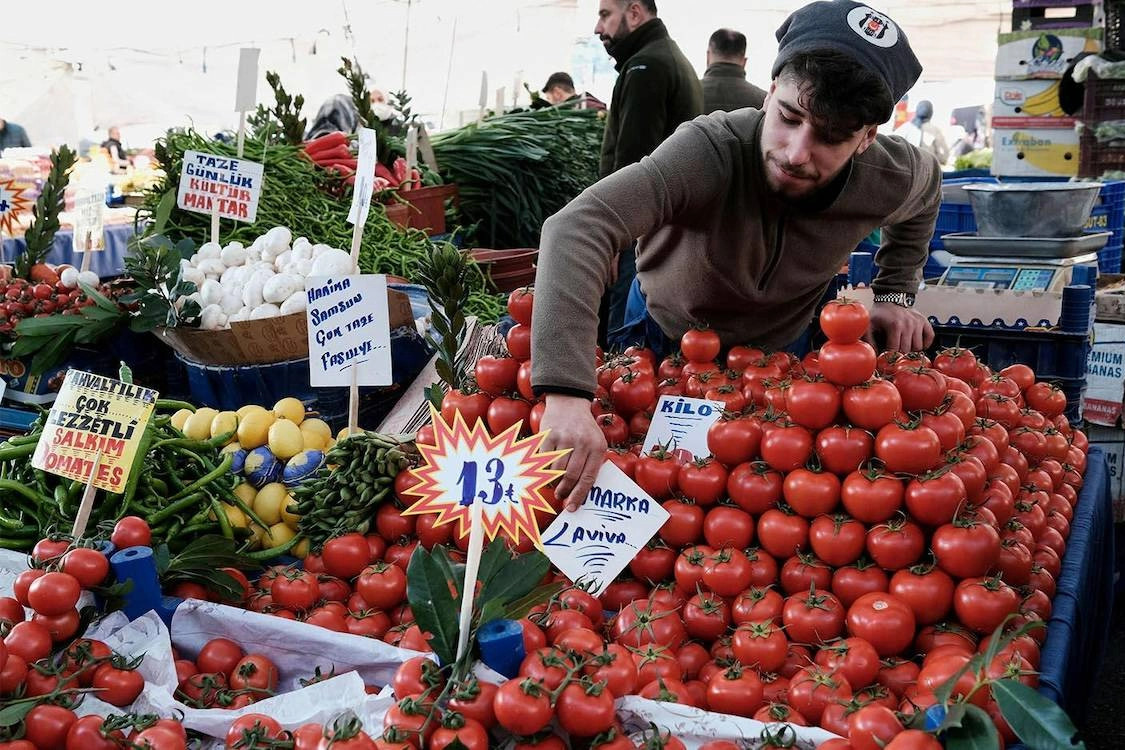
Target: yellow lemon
{"type": "Point", "coordinates": [269, 501]}
{"type": "Point", "coordinates": [180, 417]}
{"type": "Point", "coordinates": [343, 434]}
{"type": "Point", "coordinates": [234, 515]}
{"type": "Point", "coordinates": [246, 493]}
{"type": "Point", "coordinates": [289, 514]}
{"type": "Point", "coordinates": [254, 428]}
{"type": "Point", "coordinates": [198, 425]}
{"type": "Point", "coordinates": [244, 410]}
{"type": "Point", "coordinates": [285, 439]}
{"type": "Point", "coordinates": [302, 549]}
{"type": "Point", "coordinates": [290, 408]}
{"type": "Point", "coordinates": [224, 422]}
{"type": "Point", "coordinates": [279, 534]}
{"type": "Point", "coordinates": [316, 434]}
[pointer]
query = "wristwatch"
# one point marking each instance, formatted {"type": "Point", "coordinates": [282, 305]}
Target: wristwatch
{"type": "Point", "coordinates": [902, 299]}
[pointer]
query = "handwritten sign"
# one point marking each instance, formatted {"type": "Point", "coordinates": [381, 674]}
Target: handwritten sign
{"type": "Point", "coordinates": [504, 475]}
{"type": "Point", "coordinates": [94, 414]}
{"type": "Point", "coordinates": [89, 220]}
{"type": "Point", "coordinates": [348, 330]}
{"type": "Point", "coordinates": [682, 422]}
{"type": "Point", "coordinates": [594, 543]}
{"type": "Point", "coordinates": [364, 177]}
{"type": "Point", "coordinates": [219, 184]}
{"type": "Point", "coordinates": [12, 204]}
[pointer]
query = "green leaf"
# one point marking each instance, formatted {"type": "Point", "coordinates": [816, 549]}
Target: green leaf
{"type": "Point", "coordinates": [954, 717]}
{"type": "Point", "coordinates": [519, 608]}
{"type": "Point", "coordinates": [53, 354]}
{"type": "Point", "coordinates": [427, 590]}
{"type": "Point", "coordinates": [946, 688]}
{"type": "Point", "coordinates": [492, 610]}
{"type": "Point", "coordinates": [441, 558]}
{"type": "Point", "coordinates": [1037, 721]}
{"type": "Point", "coordinates": [14, 714]}
{"type": "Point", "coordinates": [516, 578]}
{"type": "Point", "coordinates": [977, 732]}
{"type": "Point", "coordinates": [164, 210]}
{"type": "Point", "coordinates": [494, 557]}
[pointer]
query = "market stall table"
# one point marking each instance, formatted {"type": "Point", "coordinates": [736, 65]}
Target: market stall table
{"type": "Point", "coordinates": [107, 263]}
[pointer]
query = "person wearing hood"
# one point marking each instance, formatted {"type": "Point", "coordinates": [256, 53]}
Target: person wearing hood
{"type": "Point", "coordinates": [657, 89]}
{"type": "Point", "coordinates": [923, 133]}
{"type": "Point", "coordinates": [744, 218]}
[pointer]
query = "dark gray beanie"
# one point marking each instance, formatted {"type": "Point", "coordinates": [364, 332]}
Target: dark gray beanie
{"type": "Point", "coordinates": [862, 33]}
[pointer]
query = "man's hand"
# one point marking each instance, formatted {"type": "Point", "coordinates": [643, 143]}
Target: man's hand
{"type": "Point", "coordinates": [572, 425]}
{"type": "Point", "coordinates": [904, 330]}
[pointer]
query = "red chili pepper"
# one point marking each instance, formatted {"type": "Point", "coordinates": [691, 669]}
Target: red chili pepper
{"type": "Point", "coordinates": [382, 171]}
{"type": "Point", "coordinates": [325, 142]}
{"type": "Point", "coordinates": [337, 153]}
{"type": "Point", "coordinates": [399, 169]}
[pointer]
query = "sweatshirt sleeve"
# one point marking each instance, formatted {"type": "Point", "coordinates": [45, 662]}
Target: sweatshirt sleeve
{"type": "Point", "coordinates": [906, 241]}
{"type": "Point", "coordinates": [579, 244]}
{"type": "Point", "coordinates": [643, 111]}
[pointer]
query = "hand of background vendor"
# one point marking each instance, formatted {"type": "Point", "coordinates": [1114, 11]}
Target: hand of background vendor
{"type": "Point", "coordinates": [571, 425]}
{"type": "Point", "coordinates": [902, 329]}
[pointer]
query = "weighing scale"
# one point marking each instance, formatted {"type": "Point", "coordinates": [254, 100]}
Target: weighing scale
{"type": "Point", "coordinates": [1018, 264]}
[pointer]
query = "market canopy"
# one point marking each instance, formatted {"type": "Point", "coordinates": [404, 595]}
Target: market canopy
{"type": "Point", "coordinates": [125, 71]}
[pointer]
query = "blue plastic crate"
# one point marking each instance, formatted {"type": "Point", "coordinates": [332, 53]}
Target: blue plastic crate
{"type": "Point", "coordinates": [1109, 259]}
{"type": "Point", "coordinates": [1052, 354]}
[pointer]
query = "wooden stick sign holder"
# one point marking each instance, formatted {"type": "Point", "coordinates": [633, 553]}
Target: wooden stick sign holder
{"type": "Point", "coordinates": [87, 505]}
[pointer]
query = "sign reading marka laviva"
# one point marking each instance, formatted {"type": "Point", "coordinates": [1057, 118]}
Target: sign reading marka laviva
{"type": "Point", "coordinates": [349, 330]}
{"type": "Point", "coordinates": [94, 414]}
{"type": "Point", "coordinates": [211, 183]}
{"type": "Point", "coordinates": [594, 543]}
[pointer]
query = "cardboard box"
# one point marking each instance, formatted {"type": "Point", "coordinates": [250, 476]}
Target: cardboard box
{"type": "Point", "coordinates": [262, 342]}
{"type": "Point", "coordinates": [1043, 54]}
{"type": "Point", "coordinates": [1105, 375]}
{"type": "Point", "coordinates": [1109, 298]}
{"type": "Point", "coordinates": [1034, 98]}
{"type": "Point", "coordinates": [1112, 441]}
{"type": "Point", "coordinates": [958, 305]}
{"type": "Point", "coordinates": [1036, 147]}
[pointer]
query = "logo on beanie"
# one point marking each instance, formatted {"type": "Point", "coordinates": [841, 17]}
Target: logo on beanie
{"type": "Point", "coordinates": [872, 26]}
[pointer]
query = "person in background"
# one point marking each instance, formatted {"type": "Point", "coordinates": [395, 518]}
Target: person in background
{"type": "Point", "coordinates": [745, 218]}
{"type": "Point", "coordinates": [724, 83]}
{"type": "Point", "coordinates": [338, 114]}
{"type": "Point", "coordinates": [12, 136]}
{"type": "Point", "coordinates": [923, 133]}
{"type": "Point", "coordinates": [118, 159]}
{"type": "Point", "coordinates": [656, 90]}
{"type": "Point", "coordinates": [559, 89]}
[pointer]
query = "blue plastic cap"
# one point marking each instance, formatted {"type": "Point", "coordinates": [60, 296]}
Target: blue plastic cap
{"type": "Point", "coordinates": [137, 564]}
{"type": "Point", "coordinates": [501, 646]}
{"type": "Point", "coordinates": [935, 715]}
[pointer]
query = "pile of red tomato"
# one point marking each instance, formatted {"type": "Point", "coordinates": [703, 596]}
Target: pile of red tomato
{"type": "Point", "coordinates": [864, 524]}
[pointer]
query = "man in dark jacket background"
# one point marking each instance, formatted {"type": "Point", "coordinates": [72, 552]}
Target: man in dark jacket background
{"type": "Point", "coordinates": [656, 90]}
{"type": "Point", "coordinates": [724, 83]}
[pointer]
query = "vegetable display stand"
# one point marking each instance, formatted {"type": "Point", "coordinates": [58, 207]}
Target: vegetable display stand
{"type": "Point", "coordinates": [229, 387]}
{"type": "Point", "coordinates": [426, 206]}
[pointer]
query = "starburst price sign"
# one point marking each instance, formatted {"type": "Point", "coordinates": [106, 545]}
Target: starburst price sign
{"type": "Point", "coordinates": [504, 475]}
{"type": "Point", "coordinates": [12, 204]}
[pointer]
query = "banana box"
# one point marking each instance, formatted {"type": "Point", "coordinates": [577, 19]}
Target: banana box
{"type": "Point", "coordinates": [1035, 147]}
{"type": "Point", "coordinates": [1031, 98]}
{"type": "Point", "coordinates": [1043, 53]}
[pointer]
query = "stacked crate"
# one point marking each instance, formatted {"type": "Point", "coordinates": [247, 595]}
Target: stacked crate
{"type": "Point", "coordinates": [1032, 136]}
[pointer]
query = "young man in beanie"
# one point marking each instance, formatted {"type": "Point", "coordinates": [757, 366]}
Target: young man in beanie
{"type": "Point", "coordinates": [743, 219]}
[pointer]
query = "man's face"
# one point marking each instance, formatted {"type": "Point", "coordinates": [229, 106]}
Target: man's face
{"type": "Point", "coordinates": [115, 134]}
{"type": "Point", "coordinates": [800, 155]}
{"type": "Point", "coordinates": [613, 21]}
{"type": "Point", "coordinates": [557, 95]}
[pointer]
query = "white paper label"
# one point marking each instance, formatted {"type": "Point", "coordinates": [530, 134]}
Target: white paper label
{"type": "Point", "coordinates": [246, 94]}
{"type": "Point", "coordinates": [348, 329]}
{"type": "Point", "coordinates": [594, 543]}
{"type": "Point", "coordinates": [89, 220]}
{"type": "Point", "coordinates": [364, 178]}
{"type": "Point", "coordinates": [681, 423]}
{"type": "Point", "coordinates": [210, 183]}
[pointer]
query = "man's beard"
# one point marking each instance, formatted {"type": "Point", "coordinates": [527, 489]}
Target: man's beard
{"type": "Point", "coordinates": [610, 42]}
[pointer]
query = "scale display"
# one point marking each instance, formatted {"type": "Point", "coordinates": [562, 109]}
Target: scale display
{"type": "Point", "coordinates": [1001, 277]}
